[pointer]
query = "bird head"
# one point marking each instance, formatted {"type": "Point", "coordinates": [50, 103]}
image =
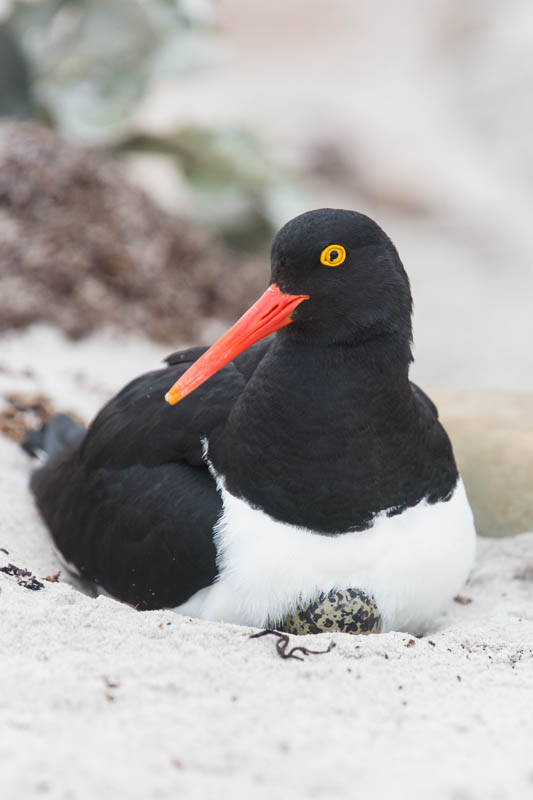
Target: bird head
{"type": "Point", "coordinates": [336, 279]}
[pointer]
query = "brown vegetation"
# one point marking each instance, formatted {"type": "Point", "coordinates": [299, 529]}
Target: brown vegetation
{"type": "Point", "coordinates": [81, 247]}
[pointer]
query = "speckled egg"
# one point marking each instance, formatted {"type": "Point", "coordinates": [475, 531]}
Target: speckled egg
{"type": "Point", "coordinates": [345, 610]}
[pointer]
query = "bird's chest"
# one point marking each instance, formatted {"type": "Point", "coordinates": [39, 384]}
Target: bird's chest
{"type": "Point", "coordinates": [324, 466]}
{"type": "Point", "coordinates": [411, 564]}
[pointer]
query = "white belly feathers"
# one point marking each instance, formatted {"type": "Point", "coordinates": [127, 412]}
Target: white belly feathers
{"type": "Point", "coordinates": [412, 564]}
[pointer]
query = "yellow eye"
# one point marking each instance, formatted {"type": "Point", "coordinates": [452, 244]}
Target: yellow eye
{"type": "Point", "coordinates": [333, 255]}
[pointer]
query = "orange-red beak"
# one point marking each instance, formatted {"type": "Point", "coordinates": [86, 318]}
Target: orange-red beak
{"type": "Point", "coordinates": [270, 313]}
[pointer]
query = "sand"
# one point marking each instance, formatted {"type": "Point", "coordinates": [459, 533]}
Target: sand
{"type": "Point", "coordinates": [99, 700]}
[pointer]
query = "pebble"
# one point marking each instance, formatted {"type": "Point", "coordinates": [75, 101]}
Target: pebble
{"type": "Point", "coordinates": [492, 437]}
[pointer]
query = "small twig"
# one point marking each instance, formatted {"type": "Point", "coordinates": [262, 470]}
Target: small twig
{"type": "Point", "coordinates": [283, 643]}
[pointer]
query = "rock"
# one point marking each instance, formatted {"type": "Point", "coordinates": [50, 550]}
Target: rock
{"type": "Point", "coordinates": [81, 247]}
{"type": "Point", "coordinates": [492, 437]}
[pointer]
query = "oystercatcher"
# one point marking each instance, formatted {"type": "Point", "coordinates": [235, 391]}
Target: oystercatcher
{"type": "Point", "coordinates": [290, 466]}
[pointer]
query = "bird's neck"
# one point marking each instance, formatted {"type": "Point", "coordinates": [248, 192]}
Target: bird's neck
{"type": "Point", "coordinates": [300, 393]}
{"type": "Point", "coordinates": [324, 437]}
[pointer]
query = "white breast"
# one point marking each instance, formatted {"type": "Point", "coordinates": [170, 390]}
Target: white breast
{"type": "Point", "coordinates": [412, 564]}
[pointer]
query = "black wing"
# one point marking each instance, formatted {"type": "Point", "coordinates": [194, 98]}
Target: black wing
{"type": "Point", "coordinates": [132, 506]}
{"type": "Point", "coordinates": [424, 400]}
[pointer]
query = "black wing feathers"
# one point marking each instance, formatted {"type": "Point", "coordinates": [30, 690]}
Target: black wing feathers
{"type": "Point", "coordinates": [132, 505]}
{"type": "Point", "coordinates": [139, 427]}
{"type": "Point", "coordinates": [424, 400]}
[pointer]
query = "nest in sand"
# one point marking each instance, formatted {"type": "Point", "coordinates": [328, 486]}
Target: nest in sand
{"type": "Point", "coordinates": [80, 247]}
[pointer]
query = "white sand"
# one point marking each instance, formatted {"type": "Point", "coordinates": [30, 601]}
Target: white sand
{"type": "Point", "coordinates": [100, 701]}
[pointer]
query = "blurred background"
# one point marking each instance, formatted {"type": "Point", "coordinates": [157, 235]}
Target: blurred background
{"type": "Point", "coordinates": [150, 149]}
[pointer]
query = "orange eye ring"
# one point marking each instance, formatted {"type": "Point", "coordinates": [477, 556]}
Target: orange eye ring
{"type": "Point", "coordinates": [333, 255]}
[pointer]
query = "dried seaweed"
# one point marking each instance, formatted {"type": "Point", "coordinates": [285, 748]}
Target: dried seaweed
{"type": "Point", "coordinates": [24, 577]}
{"type": "Point", "coordinates": [283, 643]}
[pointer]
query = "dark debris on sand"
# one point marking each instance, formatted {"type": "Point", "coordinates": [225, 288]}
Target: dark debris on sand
{"type": "Point", "coordinates": [24, 577]}
{"type": "Point", "coordinates": [23, 412]}
{"type": "Point", "coordinates": [20, 412]}
{"type": "Point", "coordinates": [285, 651]}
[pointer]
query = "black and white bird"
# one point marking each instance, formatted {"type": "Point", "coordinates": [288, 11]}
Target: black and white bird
{"type": "Point", "coordinates": [299, 461]}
